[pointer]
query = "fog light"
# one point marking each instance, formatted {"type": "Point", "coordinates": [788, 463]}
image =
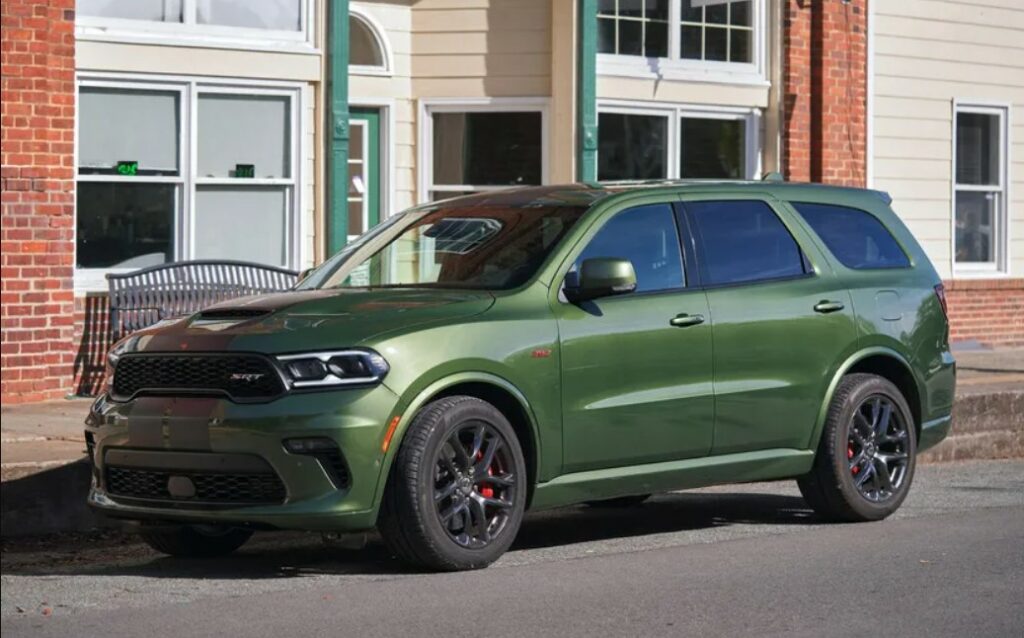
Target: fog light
{"type": "Point", "coordinates": [326, 453]}
{"type": "Point", "coordinates": [309, 445]}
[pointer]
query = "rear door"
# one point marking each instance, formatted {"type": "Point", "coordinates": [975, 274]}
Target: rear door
{"type": "Point", "coordinates": [782, 322]}
{"type": "Point", "coordinates": [636, 372]}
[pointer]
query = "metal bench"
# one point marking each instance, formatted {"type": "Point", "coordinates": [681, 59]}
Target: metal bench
{"type": "Point", "coordinates": [141, 298]}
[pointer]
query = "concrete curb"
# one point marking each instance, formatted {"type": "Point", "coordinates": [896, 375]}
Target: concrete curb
{"type": "Point", "coordinates": [985, 426]}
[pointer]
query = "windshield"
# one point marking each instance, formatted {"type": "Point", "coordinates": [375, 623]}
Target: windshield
{"type": "Point", "coordinates": [482, 247]}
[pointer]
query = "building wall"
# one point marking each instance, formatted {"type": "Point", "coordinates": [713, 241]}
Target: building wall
{"type": "Point", "coordinates": [927, 54]}
{"type": "Point", "coordinates": [37, 116]}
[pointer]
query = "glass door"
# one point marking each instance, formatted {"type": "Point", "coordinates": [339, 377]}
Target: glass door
{"type": "Point", "coordinates": [364, 170]}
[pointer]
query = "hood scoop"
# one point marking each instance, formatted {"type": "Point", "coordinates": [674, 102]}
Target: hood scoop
{"type": "Point", "coordinates": [218, 314]}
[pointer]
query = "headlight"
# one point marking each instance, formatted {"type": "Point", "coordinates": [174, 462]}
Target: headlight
{"type": "Point", "coordinates": [333, 368]}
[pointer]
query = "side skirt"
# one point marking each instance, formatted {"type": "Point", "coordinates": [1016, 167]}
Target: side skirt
{"type": "Point", "coordinates": [666, 476]}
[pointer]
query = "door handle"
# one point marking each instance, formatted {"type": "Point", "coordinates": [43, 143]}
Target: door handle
{"type": "Point", "coordinates": [683, 320]}
{"type": "Point", "coordinates": [824, 306]}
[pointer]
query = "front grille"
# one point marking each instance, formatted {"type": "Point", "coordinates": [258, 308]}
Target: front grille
{"type": "Point", "coordinates": [242, 377]}
{"type": "Point", "coordinates": [212, 488]}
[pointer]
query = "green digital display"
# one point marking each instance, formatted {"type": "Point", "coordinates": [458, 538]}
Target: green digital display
{"type": "Point", "coordinates": [245, 170]}
{"type": "Point", "coordinates": [128, 168]}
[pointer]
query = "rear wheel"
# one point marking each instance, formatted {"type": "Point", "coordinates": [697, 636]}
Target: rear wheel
{"type": "Point", "coordinates": [865, 461]}
{"type": "Point", "coordinates": [457, 490]}
{"type": "Point", "coordinates": [196, 541]}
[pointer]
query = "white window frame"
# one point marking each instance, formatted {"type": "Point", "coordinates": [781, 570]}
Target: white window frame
{"type": "Point", "coordinates": [751, 117]}
{"type": "Point", "coordinates": [190, 88]}
{"type": "Point", "coordinates": [364, 15]}
{"type": "Point", "coordinates": [425, 159]}
{"type": "Point", "coordinates": [676, 68]}
{"type": "Point", "coordinates": [189, 33]}
{"type": "Point", "coordinates": [1000, 238]}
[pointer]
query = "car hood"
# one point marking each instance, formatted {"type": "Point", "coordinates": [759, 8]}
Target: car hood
{"type": "Point", "coordinates": [307, 320]}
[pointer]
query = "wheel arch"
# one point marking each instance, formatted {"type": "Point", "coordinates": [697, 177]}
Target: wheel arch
{"type": "Point", "coordinates": [497, 391]}
{"type": "Point", "coordinates": [886, 363]}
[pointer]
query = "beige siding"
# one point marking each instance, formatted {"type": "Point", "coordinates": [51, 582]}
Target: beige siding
{"type": "Point", "coordinates": [929, 53]}
{"type": "Point", "coordinates": [481, 48]}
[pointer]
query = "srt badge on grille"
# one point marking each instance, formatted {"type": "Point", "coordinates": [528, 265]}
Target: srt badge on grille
{"type": "Point", "coordinates": [248, 377]}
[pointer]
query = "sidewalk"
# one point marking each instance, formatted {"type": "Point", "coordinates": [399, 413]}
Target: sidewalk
{"type": "Point", "coordinates": [45, 474]}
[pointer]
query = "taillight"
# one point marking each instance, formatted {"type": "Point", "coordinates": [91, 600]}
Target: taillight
{"type": "Point", "coordinates": [940, 292]}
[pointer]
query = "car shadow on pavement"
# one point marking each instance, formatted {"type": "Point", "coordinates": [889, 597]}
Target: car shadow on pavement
{"type": "Point", "coordinates": [276, 555]}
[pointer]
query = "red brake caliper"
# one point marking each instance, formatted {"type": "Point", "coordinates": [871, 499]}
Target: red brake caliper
{"type": "Point", "coordinates": [486, 491]}
{"type": "Point", "coordinates": [849, 455]}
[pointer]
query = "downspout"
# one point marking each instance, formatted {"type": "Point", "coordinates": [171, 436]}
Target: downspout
{"type": "Point", "coordinates": [586, 97]}
{"type": "Point", "coordinates": [337, 123]}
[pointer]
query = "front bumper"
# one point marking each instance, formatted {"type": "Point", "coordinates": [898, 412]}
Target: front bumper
{"type": "Point", "coordinates": [215, 429]}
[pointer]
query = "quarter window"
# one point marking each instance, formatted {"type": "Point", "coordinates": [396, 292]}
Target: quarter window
{"type": "Point", "coordinates": [484, 150]}
{"type": "Point", "coordinates": [743, 241]}
{"type": "Point", "coordinates": [855, 237]}
{"type": "Point", "coordinates": [980, 187]}
{"type": "Point", "coordinates": [648, 238]}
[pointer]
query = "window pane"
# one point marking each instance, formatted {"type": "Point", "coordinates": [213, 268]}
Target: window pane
{"type": "Point", "coordinates": [606, 7]}
{"type": "Point", "coordinates": [975, 229]}
{"type": "Point", "coordinates": [739, 45]}
{"type": "Point", "coordinates": [117, 125]}
{"type": "Point", "coordinates": [364, 49]}
{"type": "Point", "coordinates": [487, 149]}
{"type": "Point", "coordinates": [739, 13]}
{"type": "Point", "coordinates": [656, 41]}
{"type": "Point", "coordinates": [712, 148]}
{"type": "Point", "coordinates": [715, 43]}
{"type": "Point", "coordinates": [245, 223]}
{"type": "Point", "coordinates": [631, 8]}
{"type": "Point", "coordinates": [647, 237]}
{"type": "Point", "coordinates": [656, 9]}
{"type": "Point", "coordinates": [124, 225]}
{"type": "Point", "coordinates": [977, 148]}
{"type": "Point", "coordinates": [743, 241]}
{"type": "Point", "coordinates": [631, 37]}
{"type": "Point", "coordinates": [690, 43]}
{"type": "Point", "coordinates": [244, 129]}
{"type": "Point", "coordinates": [716, 12]}
{"type": "Point", "coordinates": [855, 237]}
{"type": "Point", "coordinates": [154, 10]}
{"type": "Point", "coordinates": [691, 11]}
{"type": "Point", "coordinates": [631, 146]}
{"type": "Point", "coordinates": [280, 15]}
{"type": "Point", "coordinates": [605, 35]}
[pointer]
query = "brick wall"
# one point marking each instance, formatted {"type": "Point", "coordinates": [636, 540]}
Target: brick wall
{"type": "Point", "coordinates": [37, 120]}
{"type": "Point", "coordinates": [989, 311]}
{"type": "Point", "coordinates": [824, 78]}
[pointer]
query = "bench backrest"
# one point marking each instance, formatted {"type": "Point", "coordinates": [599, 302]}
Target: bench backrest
{"type": "Point", "coordinates": [141, 298]}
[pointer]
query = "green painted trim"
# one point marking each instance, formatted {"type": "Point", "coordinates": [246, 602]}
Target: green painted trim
{"type": "Point", "coordinates": [933, 432]}
{"type": "Point", "coordinates": [586, 93]}
{"type": "Point", "coordinates": [337, 169]}
{"type": "Point", "coordinates": [653, 478]}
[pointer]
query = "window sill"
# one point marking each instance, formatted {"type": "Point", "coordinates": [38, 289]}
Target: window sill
{"type": "Point", "coordinates": [117, 36]}
{"type": "Point", "coordinates": [666, 69]}
{"type": "Point", "coordinates": [980, 274]}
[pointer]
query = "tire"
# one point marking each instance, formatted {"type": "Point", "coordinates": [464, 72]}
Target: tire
{"type": "Point", "coordinates": [196, 541]}
{"type": "Point", "coordinates": [634, 500]}
{"type": "Point", "coordinates": [418, 526]}
{"type": "Point", "coordinates": [855, 459]}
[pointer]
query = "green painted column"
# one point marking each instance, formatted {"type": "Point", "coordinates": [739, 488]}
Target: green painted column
{"type": "Point", "coordinates": [586, 93]}
{"type": "Point", "coordinates": [337, 169]}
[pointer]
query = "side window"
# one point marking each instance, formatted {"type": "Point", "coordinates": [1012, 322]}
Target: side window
{"type": "Point", "coordinates": [743, 241]}
{"type": "Point", "coordinates": [646, 236]}
{"type": "Point", "coordinates": [855, 237]}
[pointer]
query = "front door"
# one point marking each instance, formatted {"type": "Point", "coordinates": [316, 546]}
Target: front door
{"type": "Point", "coordinates": [364, 170]}
{"type": "Point", "coordinates": [636, 379]}
{"type": "Point", "coordinates": [782, 322]}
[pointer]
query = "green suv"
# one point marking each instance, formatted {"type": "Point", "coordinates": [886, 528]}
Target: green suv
{"type": "Point", "coordinates": [470, 359]}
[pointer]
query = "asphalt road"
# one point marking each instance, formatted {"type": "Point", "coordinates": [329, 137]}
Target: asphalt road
{"type": "Point", "coordinates": [733, 561]}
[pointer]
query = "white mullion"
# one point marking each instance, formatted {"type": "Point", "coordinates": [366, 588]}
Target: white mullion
{"type": "Point", "coordinates": [189, 15]}
{"type": "Point", "coordinates": [675, 25]}
{"type": "Point", "coordinates": [189, 214]}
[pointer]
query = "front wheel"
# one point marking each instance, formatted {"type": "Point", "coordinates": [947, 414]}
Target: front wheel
{"type": "Point", "coordinates": [457, 490]}
{"type": "Point", "coordinates": [865, 461]}
{"type": "Point", "coordinates": [196, 541]}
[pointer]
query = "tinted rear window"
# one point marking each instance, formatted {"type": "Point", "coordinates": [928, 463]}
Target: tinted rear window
{"type": "Point", "coordinates": [744, 241]}
{"type": "Point", "coordinates": [854, 236]}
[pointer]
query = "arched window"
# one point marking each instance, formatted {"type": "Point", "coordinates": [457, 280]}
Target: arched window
{"type": "Point", "coordinates": [368, 50]}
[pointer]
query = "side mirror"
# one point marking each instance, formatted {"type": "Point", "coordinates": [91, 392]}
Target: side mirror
{"type": "Point", "coordinates": [601, 277]}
